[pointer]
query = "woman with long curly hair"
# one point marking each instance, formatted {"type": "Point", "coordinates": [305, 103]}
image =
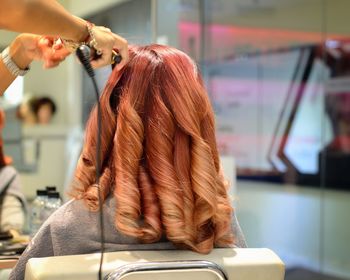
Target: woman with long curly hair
{"type": "Point", "coordinates": [161, 183]}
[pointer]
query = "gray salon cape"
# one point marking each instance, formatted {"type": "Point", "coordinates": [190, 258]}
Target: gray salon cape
{"type": "Point", "coordinates": [13, 205]}
{"type": "Point", "coordinates": [72, 229]}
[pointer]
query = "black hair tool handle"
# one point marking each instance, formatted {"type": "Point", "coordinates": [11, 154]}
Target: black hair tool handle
{"type": "Point", "coordinates": [115, 59]}
{"type": "Point", "coordinates": [83, 53]}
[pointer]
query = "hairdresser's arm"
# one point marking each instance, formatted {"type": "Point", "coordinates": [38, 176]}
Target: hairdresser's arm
{"type": "Point", "coordinates": [26, 48]}
{"type": "Point", "coordinates": [41, 17]}
{"type": "Point", "coordinates": [48, 17]}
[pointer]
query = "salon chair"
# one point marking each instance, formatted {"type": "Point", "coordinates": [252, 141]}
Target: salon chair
{"type": "Point", "coordinates": [222, 264]}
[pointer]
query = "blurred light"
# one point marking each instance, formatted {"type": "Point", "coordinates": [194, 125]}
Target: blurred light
{"type": "Point", "coordinates": [332, 44]}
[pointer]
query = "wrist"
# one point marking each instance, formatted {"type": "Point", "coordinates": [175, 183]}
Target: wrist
{"type": "Point", "coordinates": [86, 38]}
{"type": "Point", "coordinates": [15, 59]}
{"type": "Point", "coordinates": [19, 55]}
{"type": "Point", "coordinates": [82, 33]}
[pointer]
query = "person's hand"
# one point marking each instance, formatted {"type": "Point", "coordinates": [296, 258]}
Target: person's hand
{"type": "Point", "coordinates": [106, 41]}
{"type": "Point", "coordinates": [28, 47]}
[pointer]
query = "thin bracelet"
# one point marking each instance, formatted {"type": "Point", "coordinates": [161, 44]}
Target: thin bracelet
{"type": "Point", "coordinates": [90, 40]}
{"type": "Point", "coordinates": [11, 65]}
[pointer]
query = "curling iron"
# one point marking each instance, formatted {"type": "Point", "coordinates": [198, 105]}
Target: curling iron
{"type": "Point", "coordinates": [84, 53]}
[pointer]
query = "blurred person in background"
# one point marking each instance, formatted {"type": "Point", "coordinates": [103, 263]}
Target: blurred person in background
{"type": "Point", "coordinates": [37, 110]}
{"type": "Point", "coordinates": [13, 206]}
{"type": "Point", "coordinates": [45, 109]}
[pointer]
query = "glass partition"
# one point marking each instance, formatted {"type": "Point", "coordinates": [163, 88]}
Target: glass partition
{"type": "Point", "coordinates": [276, 73]}
{"type": "Point", "coordinates": [335, 154]}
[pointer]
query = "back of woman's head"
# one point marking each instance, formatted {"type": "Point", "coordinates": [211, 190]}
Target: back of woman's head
{"type": "Point", "coordinates": [158, 153]}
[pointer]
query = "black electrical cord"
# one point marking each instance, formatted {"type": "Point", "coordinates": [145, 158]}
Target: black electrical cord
{"type": "Point", "coordinates": [83, 53]}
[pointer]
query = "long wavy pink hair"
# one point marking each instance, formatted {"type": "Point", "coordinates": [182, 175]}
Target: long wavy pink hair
{"type": "Point", "coordinates": [158, 153]}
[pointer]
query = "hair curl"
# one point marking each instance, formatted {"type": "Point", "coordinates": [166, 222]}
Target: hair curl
{"type": "Point", "coordinates": [158, 153]}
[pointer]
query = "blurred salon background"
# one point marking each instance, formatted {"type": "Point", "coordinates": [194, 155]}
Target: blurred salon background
{"type": "Point", "coordinates": [278, 75]}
